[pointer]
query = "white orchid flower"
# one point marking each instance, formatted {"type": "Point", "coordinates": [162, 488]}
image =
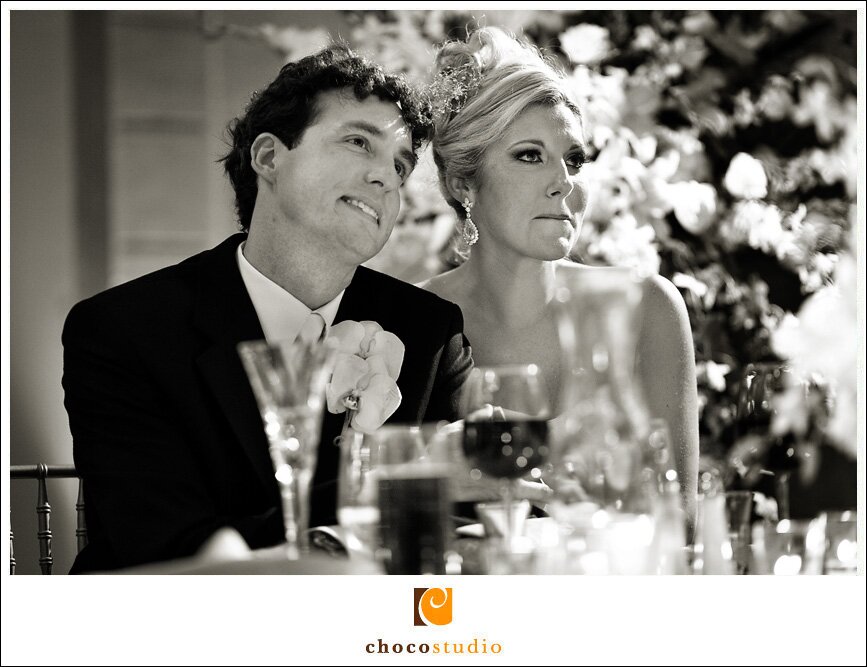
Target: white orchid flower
{"type": "Point", "coordinates": [363, 381]}
{"type": "Point", "coordinates": [376, 403]}
{"type": "Point", "coordinates": [349, 372]}
{"type": "Point", "coordinates": [371, 329]}
{"type": "Point", "coordinates": [348, 336]}
{"type": "Point", "coordinates": [366, 339]}
{"type": "Point", "coordinates": [387, 347]}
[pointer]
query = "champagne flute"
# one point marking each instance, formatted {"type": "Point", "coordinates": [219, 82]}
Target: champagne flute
{"type": "Point", "coordinates": [288, 380]}
{"type": "Point", "coordinates": [506, 428]}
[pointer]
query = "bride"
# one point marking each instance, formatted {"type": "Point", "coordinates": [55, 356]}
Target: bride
{"type": "Point", "coordinates": [508, 144]}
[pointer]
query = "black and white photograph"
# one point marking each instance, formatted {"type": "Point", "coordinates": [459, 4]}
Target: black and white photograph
{"type": "Point", "coordinates": [574, 294]}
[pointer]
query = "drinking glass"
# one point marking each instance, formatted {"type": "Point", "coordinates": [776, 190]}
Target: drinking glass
{"type": "Point", "coordinates": [755, 413]}
{"type": "Point", "coordinates": [415, 500]}
{"type": "Point", "coordinates": [288, 380]}
{"type": "Point", "coordinates": [602, 452]}
{"type": "Point", "coordinates": [790, 546]}
{"type": "Point", "coordinates": [841, 555]}
{"type": "Point", "coordinates": [361, 457]}
{"type": "Point", "coordinates": [506, 428]}
{"type": "Point", "coordinates": [739, 509]}
{"type": "Point", "coordinates": [712, 550]}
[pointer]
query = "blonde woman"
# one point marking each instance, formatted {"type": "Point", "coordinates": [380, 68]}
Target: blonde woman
{"type": "Point", "coordinates": [509, 148]}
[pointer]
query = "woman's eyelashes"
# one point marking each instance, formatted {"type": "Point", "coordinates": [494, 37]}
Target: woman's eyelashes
{"type": "Point", "coordinates": [535, 156]}
{"type": "Point", "coordinates": [531, 155]}
{"type": "Point", "coordinates": [576, 160]}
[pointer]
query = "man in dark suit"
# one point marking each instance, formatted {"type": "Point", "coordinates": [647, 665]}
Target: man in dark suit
{"type": "Point", "coordinates": [167, 435]}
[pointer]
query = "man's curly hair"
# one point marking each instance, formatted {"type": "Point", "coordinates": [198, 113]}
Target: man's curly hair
{"type": "Point", "coordinates": [288, 106]}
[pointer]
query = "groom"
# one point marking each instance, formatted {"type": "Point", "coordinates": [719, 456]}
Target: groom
{"type": "Point", "coordinates": [167, 436]}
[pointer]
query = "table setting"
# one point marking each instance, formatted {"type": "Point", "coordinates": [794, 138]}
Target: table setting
{"type": "Point", "coordinates": [582, 483]}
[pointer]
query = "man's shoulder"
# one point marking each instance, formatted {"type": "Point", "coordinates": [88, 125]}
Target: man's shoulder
{"type": "Point", "coordinates": [402, 294]}
{"type": "Point", "coordinates": [158, 289]}
{"type": "Point", "coordinates": [158, 294]}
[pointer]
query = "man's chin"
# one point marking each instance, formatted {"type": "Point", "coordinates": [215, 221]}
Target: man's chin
{"type": "Point", "coordinates": [363, 252]}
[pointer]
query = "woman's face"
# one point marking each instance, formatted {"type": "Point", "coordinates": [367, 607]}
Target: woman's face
{"type": "Point", "coordinates": [529, 195]}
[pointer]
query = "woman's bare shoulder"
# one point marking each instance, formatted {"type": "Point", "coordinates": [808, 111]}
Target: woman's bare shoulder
{"type": "Point", "coordinates": [664, 308]}
{"type": "Point", "coordinates": [665, 315]}
{"type": "Point", "coordinates": [660, 293]}
{"type": "Point", "coordinates": [446, 285]}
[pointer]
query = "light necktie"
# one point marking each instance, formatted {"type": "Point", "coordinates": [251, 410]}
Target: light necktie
{"type": "Point", "coordinates": [312, 329]}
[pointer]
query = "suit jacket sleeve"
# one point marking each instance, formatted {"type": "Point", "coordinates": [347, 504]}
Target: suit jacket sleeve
{"type": "Point", "coordinates": [144, 487]}
{"type": "Point", "coordinates": [454, 367]}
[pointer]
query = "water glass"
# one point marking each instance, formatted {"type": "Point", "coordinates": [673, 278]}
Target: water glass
{"type": "Point", "coordinates": [841, 532]}
{"type": "Point", "coordinates": [739, 508]}
{"type": "Point", "coordinates": [712, 550]}
{"type": "Point", "coordinates": [789, 546]}
{"type": "Point", "coordinates": [361, 457]}
{"type": "Point", "coordinates": [414, 499]}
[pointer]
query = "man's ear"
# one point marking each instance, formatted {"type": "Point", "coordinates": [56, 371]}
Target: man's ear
{"type": "Point", "coordinates": [460, 189]}
{"type": "Point", "coordinates": [263, 153]}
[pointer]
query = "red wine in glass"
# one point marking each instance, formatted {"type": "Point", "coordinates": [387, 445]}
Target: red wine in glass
{"type": "Point", "coordinates": [507, 449]}
{"type": "Point", "coordinates": [505, 431]}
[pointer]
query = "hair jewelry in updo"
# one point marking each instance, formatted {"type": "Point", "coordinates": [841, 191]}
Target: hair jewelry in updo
{"type": "Point", "coordinates": [461, 66]}
{"type": "Point", "coordinates": [480, 87]}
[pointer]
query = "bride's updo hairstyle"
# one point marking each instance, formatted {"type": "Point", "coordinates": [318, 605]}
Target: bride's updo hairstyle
{"type": "Point", "coordinates": [480, 86]}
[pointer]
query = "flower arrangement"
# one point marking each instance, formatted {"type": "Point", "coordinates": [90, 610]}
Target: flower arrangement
{"type": "Point", "coordinates": [823, 355]}
{"type": "Point", "coordinates": [363, 383]}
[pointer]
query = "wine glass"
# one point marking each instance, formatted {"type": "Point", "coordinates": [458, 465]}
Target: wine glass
{"type": "Point", "coordinates": [506, 428]}
{"type": "Point", "coordinates": [288, 380]}
{"type": "Point", "coordinates": [774, 454]}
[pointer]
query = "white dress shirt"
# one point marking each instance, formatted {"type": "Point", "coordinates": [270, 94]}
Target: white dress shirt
{"type": "Point", "coordinates": [281, 315]}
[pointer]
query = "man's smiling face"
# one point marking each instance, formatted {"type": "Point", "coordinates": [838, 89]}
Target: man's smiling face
{"type": "Point", "coordinates": [339, 187]}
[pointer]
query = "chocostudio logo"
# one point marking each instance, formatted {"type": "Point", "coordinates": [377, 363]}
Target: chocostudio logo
{"type": "Point", "coordinates": [433, 606]}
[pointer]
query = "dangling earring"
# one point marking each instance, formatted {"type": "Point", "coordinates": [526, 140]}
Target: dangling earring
{"type": "Point", "coordinates": [470, 231]}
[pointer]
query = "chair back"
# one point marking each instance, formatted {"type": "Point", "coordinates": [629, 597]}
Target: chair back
{"type": "Point", "coordinates": [41, 472]}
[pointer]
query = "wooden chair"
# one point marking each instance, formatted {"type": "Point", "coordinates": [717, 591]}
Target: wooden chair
{"type": "Point", "coordinates": [40, 472]}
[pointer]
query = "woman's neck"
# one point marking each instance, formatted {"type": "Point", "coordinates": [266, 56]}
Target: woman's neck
{"type": "Point", "coordinates": [513, 291]}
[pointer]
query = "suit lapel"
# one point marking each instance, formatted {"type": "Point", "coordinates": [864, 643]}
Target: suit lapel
{"type": "Point", "coordinates": [225, 314]}
{"type": "Point", "coordinates": [358, 302]}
